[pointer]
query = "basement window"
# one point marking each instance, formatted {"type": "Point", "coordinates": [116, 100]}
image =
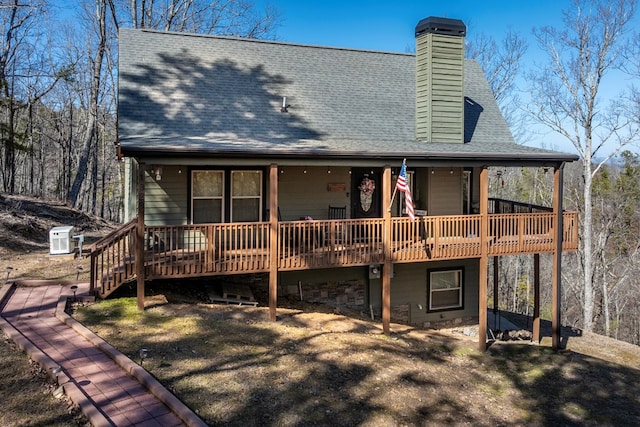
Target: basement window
{"type": "Point", "coordinates": [444, 289]}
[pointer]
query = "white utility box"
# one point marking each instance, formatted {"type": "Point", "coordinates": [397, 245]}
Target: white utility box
{"type": "Point", "coordinates": [61, 240]}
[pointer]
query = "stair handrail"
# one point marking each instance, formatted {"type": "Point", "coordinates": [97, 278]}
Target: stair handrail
{"type": "Point", "coordinates": [113, 267]}
{"type": "Point", "coordinates": [114, 235]}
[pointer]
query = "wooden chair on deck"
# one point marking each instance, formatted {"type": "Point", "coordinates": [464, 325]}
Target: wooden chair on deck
{"type": "Point", "coordinates": [337, 212]}
{"type": "Point", "coordinates": [338, 235]}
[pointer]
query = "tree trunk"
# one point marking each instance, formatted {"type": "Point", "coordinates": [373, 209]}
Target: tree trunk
{"type": "Point", "coordinates": [605, 309]}
{"type": "Point", "coordinates": [93, 110]}
{"type": "Point", "coordinates": [587, 236]}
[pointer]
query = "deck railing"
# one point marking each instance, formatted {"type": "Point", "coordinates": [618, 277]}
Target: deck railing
{"type": "Point", "coordinates": [203, 249]}
{"type": "Point", "coordinates": [234, 248]}
{"type": "Point", "coordinates": [112, 259]}
{"type": "Point", "coordinates": [511, 206]}
{"type": "Point", "coordinates": [314, 244]}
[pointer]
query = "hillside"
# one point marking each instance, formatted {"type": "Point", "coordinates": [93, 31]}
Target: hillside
{"type": "Point", "coordinates": [25, 223]}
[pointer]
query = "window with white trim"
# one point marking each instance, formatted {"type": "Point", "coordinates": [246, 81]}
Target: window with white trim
{"type": "Point", "coordinates": [246, 195]}
{"type": "Point", "coordinates": [207, 196]}
{"type": "Point", "coordinates": [226, 195]}
{"type": "Point", "coordinates": [444, 289]}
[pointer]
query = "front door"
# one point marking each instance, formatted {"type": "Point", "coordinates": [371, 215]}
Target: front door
{"type": "Point", "coordinates": [366, 193]}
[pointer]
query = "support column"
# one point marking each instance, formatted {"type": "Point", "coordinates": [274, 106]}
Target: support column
{"type": "Point", "coordinates": [556, 280]}
{"type": "Point", "coordinates": [140, 238]}
{"type": "Point", "coordinates": [273, 241]}
{"type": "Point", "coordinates": [386, 245]}
{"type": "Point", "coordinates": [483, 276]}
{"type": "Point", "coordinates": [536, 298]}
{"type": "Point", "coordinates": [496, 302]}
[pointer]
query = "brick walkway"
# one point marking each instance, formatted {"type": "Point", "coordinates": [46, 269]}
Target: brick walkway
{"type": "Point", "coordinates": [110, 389]}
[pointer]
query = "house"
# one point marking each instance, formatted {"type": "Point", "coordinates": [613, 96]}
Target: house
{"type": "Point", "coordinates": [248, 156]}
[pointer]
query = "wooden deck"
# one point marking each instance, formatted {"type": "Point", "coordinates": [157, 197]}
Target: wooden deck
{"type": "Point", "coordinates": [239, 248]}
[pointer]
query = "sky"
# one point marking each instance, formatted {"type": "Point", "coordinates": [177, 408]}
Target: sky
{"type": "Point", "coordinates": [389, 25]}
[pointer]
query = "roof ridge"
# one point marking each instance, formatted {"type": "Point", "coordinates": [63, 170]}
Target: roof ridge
{"type": "Point", "coordinates": [272, 42]}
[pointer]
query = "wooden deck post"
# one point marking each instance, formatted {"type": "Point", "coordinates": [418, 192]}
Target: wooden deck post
{"type": "Point", "coordinates": [536, 298]}
{"type": "Point", "coordinates": [496, 275]}
{"type": "Point", "coordinates": [386, 247]}
{"type": "Point", "coordinates": [140, 238]}
{"type": "Point", "coordinates": [484, 259]}
{"type": "Point", "coordinates": [273, 241]}
{"type": "Point", "coordinates": [556, 280]}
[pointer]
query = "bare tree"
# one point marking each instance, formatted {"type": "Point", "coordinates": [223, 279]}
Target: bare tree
{"type": "Point", "coordinates": [225, 17]}
{"type": "Point", "coordinates": [98, 22]}
{"type": "Point", "coordinates": [502, 65]}
{"type": "Point", "coordinates": [566, 97]}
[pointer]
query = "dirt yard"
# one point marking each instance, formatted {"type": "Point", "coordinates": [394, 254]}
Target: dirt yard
{"type": "Point", "coordinates": [318, 367]}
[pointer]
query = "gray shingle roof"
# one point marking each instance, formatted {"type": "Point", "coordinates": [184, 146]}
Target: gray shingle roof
{"type": "Point", "coordinates": [205, 95]}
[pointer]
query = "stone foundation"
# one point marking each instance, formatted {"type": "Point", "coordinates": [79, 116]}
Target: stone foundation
{"type": "Point", "coordinates": [346, 294]}
{"type": "Point", "coordinates": [456, 322]}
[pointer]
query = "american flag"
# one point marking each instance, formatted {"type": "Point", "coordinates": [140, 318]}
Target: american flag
{"type": "Point", "coordinates": [403, 185]}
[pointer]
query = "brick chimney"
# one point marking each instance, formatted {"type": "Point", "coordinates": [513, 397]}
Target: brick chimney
{"type": "Point", "coordinates": [440, 80]}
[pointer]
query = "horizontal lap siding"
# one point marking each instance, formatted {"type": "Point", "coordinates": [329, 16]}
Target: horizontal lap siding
{"type": "Point", "coordinates": [445, 192]}
{"type": "Point", "coordinates": [166, 200]}
{"type": "Point", "coordinates": [307, 194]}
{"type": "Point", "coordinates": [409, 286]}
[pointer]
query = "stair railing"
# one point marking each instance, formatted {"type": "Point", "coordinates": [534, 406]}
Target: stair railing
{"type": "Point", "coordinates": [113, 259]}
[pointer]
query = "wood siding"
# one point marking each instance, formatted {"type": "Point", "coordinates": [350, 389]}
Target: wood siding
{"type": "Point", "coordinates": [445, 191]}
{"type": "Point", "coordinates": [410, 288]}
{"type": "Point", "coordinates": [439, 88]}
{"type": "Point", "coordinates": [131, 182]}
{"type": "Point", "coordinates": [307, 194]}
{"type": "Point", "coordinates": [166, 200]}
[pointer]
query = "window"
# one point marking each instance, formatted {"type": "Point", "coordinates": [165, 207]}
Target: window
{"type": "Point", "coordinates": [444, 289]}
{"type": "Point", "coordinates": [246, 196]}
{"type": "Point", "coordinates": [218, 196]}
{"type": "Point", "coordinates": [207, 191]}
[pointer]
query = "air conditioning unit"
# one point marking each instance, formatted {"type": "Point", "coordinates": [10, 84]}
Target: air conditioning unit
{"type": "Point", "coordinates": [61, 240]}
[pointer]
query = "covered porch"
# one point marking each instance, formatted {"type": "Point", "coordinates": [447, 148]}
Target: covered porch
{"type": "Point", "coordinates": [174, 251]}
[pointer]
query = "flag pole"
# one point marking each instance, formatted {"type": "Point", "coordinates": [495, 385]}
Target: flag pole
{"type": "Point", "coordinates": [395, 190]}
{"type": "Point", "coordinates": [393, 196]}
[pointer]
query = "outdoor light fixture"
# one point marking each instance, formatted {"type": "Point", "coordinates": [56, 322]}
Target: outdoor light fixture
{"type": "Point", "coordinates": [143, 355]}
{"type": "Point", "coordinates": [78, 270]}
{"type": "Point", "coordinates": [9, 269]}
{"type": "Point", "coordinates": [74, 289]}
{"type": "Point", "coordinates": [328, 170]}
{"type": "Point", "coordinates": [451, 171]}
{"type": "Point", "coordinates": [55, 371]}
{"type": "Point", "coordinates": [305, 170]}
{"type": "Point", "coordinates": [159, 173]}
